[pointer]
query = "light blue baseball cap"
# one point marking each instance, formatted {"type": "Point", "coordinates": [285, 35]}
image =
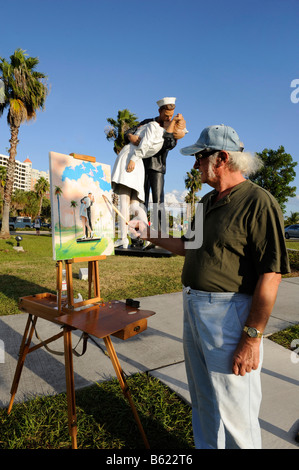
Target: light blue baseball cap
{"type": "Point", "coordinates": [219, 137]}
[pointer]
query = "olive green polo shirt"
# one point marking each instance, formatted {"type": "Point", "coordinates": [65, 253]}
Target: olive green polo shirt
{"type": "Point", "coordinates": [243, 237]}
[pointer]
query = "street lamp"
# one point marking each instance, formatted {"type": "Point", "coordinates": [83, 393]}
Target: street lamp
{"type": "Point", "coordinates": [18, 239]}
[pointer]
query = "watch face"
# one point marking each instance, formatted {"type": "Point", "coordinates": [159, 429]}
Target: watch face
{"type": "Point", "coordinates": [252, 332]}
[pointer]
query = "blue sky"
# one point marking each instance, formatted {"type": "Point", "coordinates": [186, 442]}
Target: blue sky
{"type": "Point", "coordinates": [226, 62]}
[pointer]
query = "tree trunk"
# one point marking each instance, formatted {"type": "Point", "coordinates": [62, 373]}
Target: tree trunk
{"type": "Point", "coordinates": [40, 206]}
{"type": "Point", "coordinates": [10, 174]}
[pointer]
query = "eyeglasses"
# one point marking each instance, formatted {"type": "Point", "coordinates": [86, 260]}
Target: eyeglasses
{"type": "Point", "coordinates": [201, 155]}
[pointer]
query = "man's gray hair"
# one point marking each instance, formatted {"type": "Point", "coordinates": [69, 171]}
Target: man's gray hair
{"type": "Point", "coordinates": [245, 162]}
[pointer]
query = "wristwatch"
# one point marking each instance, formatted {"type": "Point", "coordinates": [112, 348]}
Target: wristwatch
{"type": "Point", "coordinates": [252, 332]}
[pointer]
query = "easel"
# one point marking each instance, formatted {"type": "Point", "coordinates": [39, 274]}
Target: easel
{"type": "Point", "coordinates": [98, 319]}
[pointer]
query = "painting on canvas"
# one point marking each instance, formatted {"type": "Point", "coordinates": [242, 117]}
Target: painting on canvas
{"type": "Point", "coordinates": [82, 222]}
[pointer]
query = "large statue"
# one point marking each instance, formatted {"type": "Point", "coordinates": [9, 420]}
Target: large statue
{"type": "Point", "coordinates": [155, 166]}
{"type": "Point", "coordinates": [129, 172]}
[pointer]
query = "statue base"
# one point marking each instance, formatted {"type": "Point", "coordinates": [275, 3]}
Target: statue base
{"type": "Point", "coordinates": [133, 250]}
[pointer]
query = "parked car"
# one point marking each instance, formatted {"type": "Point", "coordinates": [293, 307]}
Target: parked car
{"type": "Point", "coordinates": [19, 222]}
{"type": "Point", "coordinates": [292, 231]}
{"type": "Point", "coordinates": [46, 225]}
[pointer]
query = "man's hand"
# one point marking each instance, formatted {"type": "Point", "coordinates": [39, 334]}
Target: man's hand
{"type": "Point", "coordinates": [131, 166]}
{"type": "Point", "coordinates": [177, 126]}
{"type": "Point", "coordinates": [178, 117]}
{"type": "Point", "coordinates": [247, 355]}
{"type": "Point", "coordinates": [138, 228]}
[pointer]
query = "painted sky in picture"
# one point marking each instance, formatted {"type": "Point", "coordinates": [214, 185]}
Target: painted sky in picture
{"type": "Point", "coordinates": [95, 171]}
{"type": "Point", "coordinates": [72, 180]}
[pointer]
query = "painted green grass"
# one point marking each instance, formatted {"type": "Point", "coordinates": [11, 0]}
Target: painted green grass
{"type": "Point", "coordinates": [74, 249]}
{"type": "Point", "coordinates": [67, 245]}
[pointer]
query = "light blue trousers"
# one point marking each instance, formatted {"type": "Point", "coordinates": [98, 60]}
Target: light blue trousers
{"type": "Point", "coordinates": [225, 407]}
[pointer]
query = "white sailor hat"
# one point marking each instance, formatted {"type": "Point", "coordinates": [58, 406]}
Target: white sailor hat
{"type": "Point", "coordinates": [166, 100]}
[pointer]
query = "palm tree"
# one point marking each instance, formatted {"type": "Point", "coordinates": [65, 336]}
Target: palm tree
{"type": "Point", "coordinates": [2, 185]}
{"type": "Point", "coordinates": [25, 93]}
{"type": "Point", "coordinates": [19, 199]}
{"type": "Point", "coordinates": [2, 176]}
{"type": "Point", "coordinates": [74, 205]}
{"type": "Point", "coordinates": [293, 218]}
{"type": "Point", "coordinates": [193, 184]}
{"type": "Point", "coordinates": [41, 187]}
{"type": "Point", "coordinates": [32, 204]}
{"type": "Point", "coordinates": [116, 131]}
{"type": "Point", "coordinates": [58, 192]}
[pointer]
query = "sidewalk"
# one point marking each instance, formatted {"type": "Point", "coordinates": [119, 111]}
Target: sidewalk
{"type": "Point", "coordinates": [159, 350]}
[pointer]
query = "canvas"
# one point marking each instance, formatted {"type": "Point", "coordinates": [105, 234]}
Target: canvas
{"type": "Point", "coordinates": [82, 222]}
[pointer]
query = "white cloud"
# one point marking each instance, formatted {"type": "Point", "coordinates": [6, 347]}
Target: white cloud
{"type": "Point", "coordinates": [175, 197]}
{"type": "Point", "coordinates": [294, 200]}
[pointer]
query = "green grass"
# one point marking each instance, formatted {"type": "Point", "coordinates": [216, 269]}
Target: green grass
{"type": "Point", "coordinates": [33, 271]}
{"type": "Point", "coordinates": [285, 337]}
{"type": "Point", "coordinates": [105, 420]}
{"type": "Point", "coordinates": [292, 244]}
{"type": "Point", "coordinates": [104, 417]}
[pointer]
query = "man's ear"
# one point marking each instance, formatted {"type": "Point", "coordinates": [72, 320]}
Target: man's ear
{"type": "Point", "coordinates": [222, 157]}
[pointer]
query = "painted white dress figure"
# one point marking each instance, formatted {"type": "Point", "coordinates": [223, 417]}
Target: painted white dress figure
{"type": "Point", "coordinates": [85, 204]}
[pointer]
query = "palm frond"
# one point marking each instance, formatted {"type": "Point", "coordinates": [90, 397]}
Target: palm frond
{"type": "Point", "coordinates": [17, 112]}
{"type": "Point", "coordinates": [23, 83]}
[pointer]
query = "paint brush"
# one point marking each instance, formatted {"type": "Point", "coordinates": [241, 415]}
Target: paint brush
{"type": "Point", "coordinates": [115, 208]}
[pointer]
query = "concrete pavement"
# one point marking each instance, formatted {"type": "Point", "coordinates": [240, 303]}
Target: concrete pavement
{"type": "Point", "coordinates": [159, 350]}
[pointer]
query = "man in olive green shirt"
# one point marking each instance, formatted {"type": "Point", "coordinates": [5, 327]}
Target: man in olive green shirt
{"type": "Point", "coordinates": [230, 287]}
{"type": "Point", "coordinates": [242, 238]}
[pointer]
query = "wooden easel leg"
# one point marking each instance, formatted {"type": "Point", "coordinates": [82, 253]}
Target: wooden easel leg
{"type": "Point", "coordinates": [96, 279]}
{"type": "Point", "coordinates": [70, 386]}
{"type": "Point", "coordinates": [124, 386]}
{"type": "Point", "coordinates": [93, 278]}
{"type": "Point", "coordinates": [27, 337]}
{"type": "Point", "coordinates": [59, 283]}
{"type": "Point", "coordinates": [69, 281]}
{"type": "Point", "coordinates": [90, 278]}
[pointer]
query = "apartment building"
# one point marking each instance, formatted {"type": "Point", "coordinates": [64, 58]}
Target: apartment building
{"type": "Point", "coordinates": [25, 175]}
